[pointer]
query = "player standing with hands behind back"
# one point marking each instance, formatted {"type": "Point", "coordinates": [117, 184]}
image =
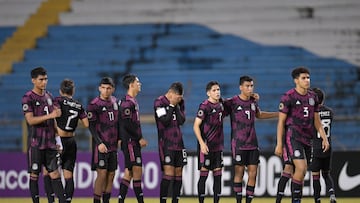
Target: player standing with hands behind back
{"type": "Point", "coordinates": [170, 115]}
{"type": "Point", "coordinates": [43, 144]}
{"type": "Point", "coordinates": [298, 116]}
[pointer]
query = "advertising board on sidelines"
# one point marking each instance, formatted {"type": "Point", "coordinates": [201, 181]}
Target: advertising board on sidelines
{"type": "Point", "coordinates": [14, 180]}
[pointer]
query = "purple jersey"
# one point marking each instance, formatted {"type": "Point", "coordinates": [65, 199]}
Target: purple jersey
{"type": "Point", "coordinates": [212, 116]}
{"type": "Point", "coordinates": [168, 122]}
{"type": "Point", "coordinates": [242, 117]}
{"type": "Point", "coordinates": [71, 112]}
{"type": "Point", "coordinates": [41, 135]}
{"type": "Point", "coordinates": [300, 110]}
{"type": "Point", "coordinates": [104, 114]}
{"type": "Point", "coordinates": [130, 129]}
{"type": "Point", "coordinates": [326, 117]}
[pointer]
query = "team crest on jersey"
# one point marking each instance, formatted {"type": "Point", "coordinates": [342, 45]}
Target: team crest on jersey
{"type": "Point", "coordinates": [253, 106]}
{"type": "Point", "coordinates": [311, 101]}
{"type": "Point", "coordinates": [281, 106]}
{"type": "Point", "coordinates": [127, 111]}
{"type": "Point", "coordinates": [200, 113]}
{"type": "Point", "coordinates": [37, 103]}
{"type": "Point", "coordinates": [89, 115]}
{"type": "Point", "coordinates": [115, 106]}
{"type": "Point", "coordinates": [49, 101]}
{"type": "Point", "coordinates": [25, 107]}
{"type": "Point", "coordinates": [239, 108]}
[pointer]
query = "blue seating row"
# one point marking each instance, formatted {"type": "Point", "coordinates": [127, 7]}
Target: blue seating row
{"type": "Point", "coordinates": [6, 32]}
{"type": "Point", "coordinates": [163, 53]}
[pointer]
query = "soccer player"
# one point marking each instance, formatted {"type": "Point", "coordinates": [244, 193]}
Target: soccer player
{"type": "Point", "coordinates": [243, 110]}
{"type": "Point", "coordinates": [131, 138]}
{"type": "Point", "coordinates": [71, 112]}
{"type": "Point", "coordinates": [103, 125]}
{"type": "Point", "coordinates": [208, 128]}
{"type": "Point", "coordinates": [321, 161]}
{"type": "Point", "coordinates": [43, 144]}
{"type": "Point", "coordinates": [298, 116]}
{"type": "Point", "coordinates": [170, 115]}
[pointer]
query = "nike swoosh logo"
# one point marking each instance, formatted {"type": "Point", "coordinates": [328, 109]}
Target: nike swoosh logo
{"type": "Point", "coordinates": [347, 182]}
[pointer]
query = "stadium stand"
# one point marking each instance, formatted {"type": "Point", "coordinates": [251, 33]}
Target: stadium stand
{"type": "Point", "coordinates": [326, 27]}
{"type": "Point", "coordinates": [35, 26]}
{"type": "Point", "coordinates": [5, 32]}
{"type": "Point", "coordinates": [160, 52]}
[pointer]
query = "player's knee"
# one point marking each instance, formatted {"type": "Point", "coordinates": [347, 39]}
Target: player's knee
{"type": "Point", "coordinates": [67, 174]}
{"type": "Point", "coordinates": [54, 174]}
{"type": "Point", "coordinates": [34, 176]}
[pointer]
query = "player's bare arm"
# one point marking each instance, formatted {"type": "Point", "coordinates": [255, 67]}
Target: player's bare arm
{"type": "Point", "coordinates": [34, 120]}
{"type": "Point", "coordinates": [267, 115]}
{"type": "Point", "coordinates": [203, 147]}
{"type": "Point", "coordinates": [280, 134]}
{"type": "Point", "coordinates": [85, 122]}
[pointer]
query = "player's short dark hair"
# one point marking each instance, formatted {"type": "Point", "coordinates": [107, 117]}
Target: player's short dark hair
{"type": "Point", "coordinates": [107, 81]}
{"type": "Point", "coordinates": [320, 94]}
{"type": "Point", "coordinates": [38, 71]}
{"type": "Point", "coordinates": [210, 84]}
{"type": "Point", "coordinates": [67, 86]}
{"type": "Point", "coordinates": [128, 79]}
{"type": "Point", "coordinates": [245, 78]}
{"type": "Point", "coordinates": [297, 71]}
{"type": "Point", "coordinates": [177, 87]}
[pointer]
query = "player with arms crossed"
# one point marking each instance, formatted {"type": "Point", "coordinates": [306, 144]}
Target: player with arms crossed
{"type": "Point", "coordinates": [170, 115]}
{"type": "Point", "coordinates": [71, 112]}
{"type": "Point", "coordinates": [321, 161]}
{"type": "Point", "coordinates": [208, 128]}
{"type": "Point", "coordinates": [298, 116]}
{"type": "Point", "coordinates": [243, 110]}
{"type": "Point", "coordinates": [43, 144]}
{"type": "Point", "coordinates": [131, 138]}
{"type": "Point", "coordinates": [103, 125]}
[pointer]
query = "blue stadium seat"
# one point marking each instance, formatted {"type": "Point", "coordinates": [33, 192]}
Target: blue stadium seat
{"type": "Point", "coordinates": [160, 54]}
{"type": "Point", "coordinates": [6, 32]}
